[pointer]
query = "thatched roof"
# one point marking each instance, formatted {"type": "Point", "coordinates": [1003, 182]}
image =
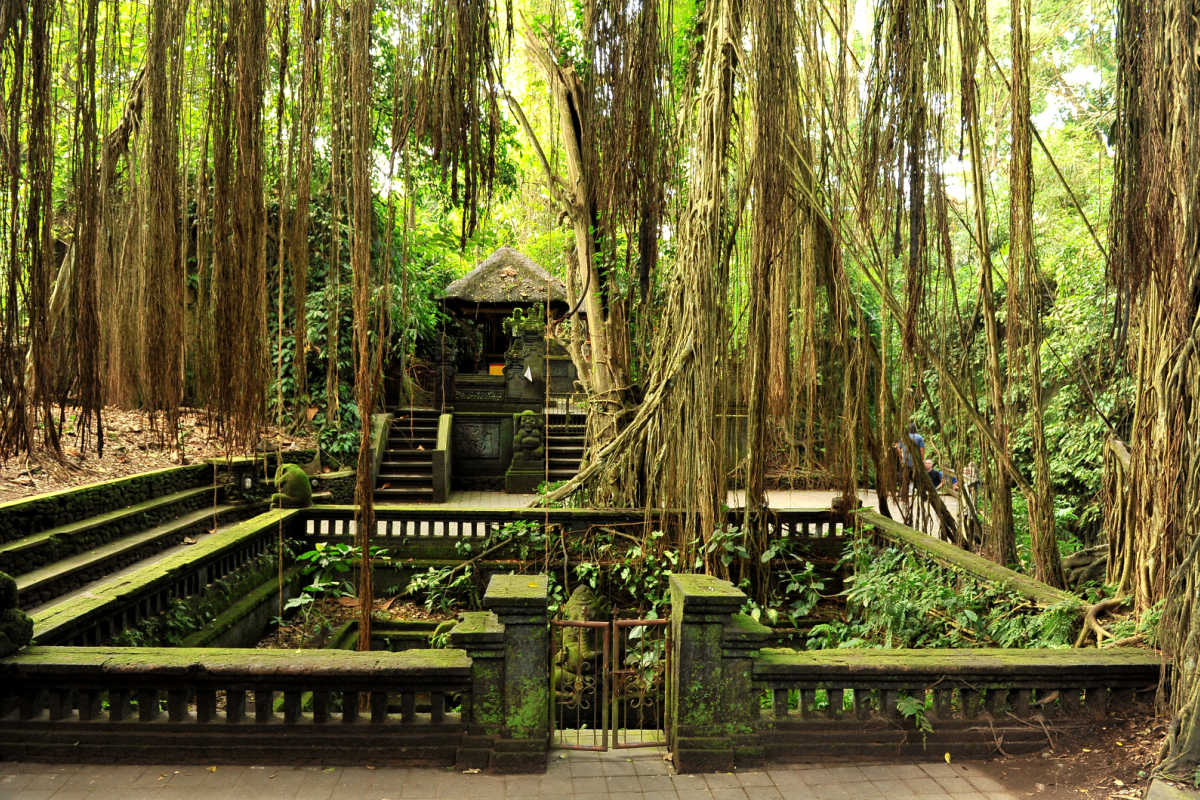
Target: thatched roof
{"type": "Point", "coordinates": [506, 276]}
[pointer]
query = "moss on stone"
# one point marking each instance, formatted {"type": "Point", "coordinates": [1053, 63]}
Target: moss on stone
{"type": "Point", "coordinates": [62, 616]}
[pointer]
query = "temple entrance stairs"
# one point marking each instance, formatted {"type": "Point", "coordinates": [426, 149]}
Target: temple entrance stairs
{"type": "Point", "coordinates": [564, 444]}
{"type": "Point", "coordinates": [406, 472]}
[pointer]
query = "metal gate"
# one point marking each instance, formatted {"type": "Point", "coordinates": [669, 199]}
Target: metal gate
{"type": "Point", "coordinates": [608, 683]}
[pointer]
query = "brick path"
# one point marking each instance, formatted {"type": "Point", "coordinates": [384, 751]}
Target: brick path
{"type": "Point", "coordinates": [637, 775]}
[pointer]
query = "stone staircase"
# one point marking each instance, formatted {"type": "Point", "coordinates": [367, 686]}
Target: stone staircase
{"type": "Point", "coordinates": [406, 472]}
{"type": "Point", "coordinates": [564, 444]}
{"type": "Point", "coordinates": [50, 563]}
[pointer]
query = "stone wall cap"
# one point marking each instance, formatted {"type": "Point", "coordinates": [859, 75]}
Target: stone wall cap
{"type": "Point", "coordinates": [700, 593]}
{"type": "Point", "coordinates": [516, 591]}
{"type": "Point", "coordinates": [477, 627]}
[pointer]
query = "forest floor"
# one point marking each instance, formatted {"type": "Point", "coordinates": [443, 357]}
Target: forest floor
{"type": "Point", "coordinates": [133, 442]}
{"type": "Point", "coordinates": [310, 630]}
{"type": "Point", "coordinates": [1111, 761]}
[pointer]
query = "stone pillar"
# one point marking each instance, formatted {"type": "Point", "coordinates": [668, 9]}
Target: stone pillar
{"type": "Point", "coordinates": [519, 604]}
{"type": "Point", "coordinates": [481, 634]}
{"type": "Point", "coordinates": [712, 704]}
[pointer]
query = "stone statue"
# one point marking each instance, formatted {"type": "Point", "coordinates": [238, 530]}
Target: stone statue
{"type": "Point", "coordinates": [528, 438]}
{"type": "Point", "coordinates": [580, 647]}
{"type": "Point", "coordinates": [294, 489]}
{"type": "Point", "coordinates": [16, 628]}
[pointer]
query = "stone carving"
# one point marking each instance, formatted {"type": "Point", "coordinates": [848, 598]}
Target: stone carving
{"type": "Point", "coordinates": [479, 394]}
{"type": "Point", "coordinates": [529, 446]}
{"type": "Point", "coordinates": [16, 628]}
{"type": "Point", "coordinates": [576, 664]}
{"type": "Point", "coordinates": [476, 439]}
{"type": "Point", "coordinates": [295, 491]}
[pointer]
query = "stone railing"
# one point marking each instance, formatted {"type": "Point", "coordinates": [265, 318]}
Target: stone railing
{"type": "Point", "coordinates": [210, 705]}
{"type": "Point", "coordinates": [422, 531]}
{"type": "Point", "coordinates": [879, 702]}
{"type": "Point", "coordinates": [874, 702]}
{"type": "Point", "coordinates": [482, 704]}
{"type": "Point", "coordinates": [95, 617]}
{"type": "Point", "coordinates": [443, 468]}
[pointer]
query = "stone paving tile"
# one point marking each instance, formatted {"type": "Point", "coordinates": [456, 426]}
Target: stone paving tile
{"type": "Point", "coordinates": [846, 774]}
{"type": "Point", "coordinates": [587, 769]}
{"type": "Point", "coordinates": [594, 785]}
{"type": "Point", "coordinates": [615, 768]}
{"type": "Point", "coordinates": [671, 795]}
{"type": "Point", "coordinates": [732, 793]}
{"type": "Point", "coordinates": [722, 780]}
{"type": "Point", "coordinates": [754, 778]}
{"type": "Point", "coordinates": [656, 783]}
{"type": "Point", "coordinates": [953, 784]}
{"type": "Point", "coordinates": [893, 788]}
{"type": "Point", "coordinates": [622, 785]}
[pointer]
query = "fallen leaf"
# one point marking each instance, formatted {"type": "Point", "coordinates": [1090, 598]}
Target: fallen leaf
{"type": "Point", "coordinates": [190, 540]}
{"type": "Point", "coordinates": [212, 769]}
{"type": "Point", "coordinates": [472, 771]}
{"type": "Point", "coordinates": [947, 757]}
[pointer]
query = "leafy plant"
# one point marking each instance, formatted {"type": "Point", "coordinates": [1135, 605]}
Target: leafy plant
{"type": "Point", "coordinates": [913, 708]}
{"type": "Point", "coordinates": [898, 598]}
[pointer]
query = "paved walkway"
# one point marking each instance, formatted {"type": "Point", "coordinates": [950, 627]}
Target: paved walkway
{"type": "Point", "coordinates": [637, 775]}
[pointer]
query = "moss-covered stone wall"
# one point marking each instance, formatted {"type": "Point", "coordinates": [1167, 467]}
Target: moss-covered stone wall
{"type": "Point", "coordinates": [19, 518]}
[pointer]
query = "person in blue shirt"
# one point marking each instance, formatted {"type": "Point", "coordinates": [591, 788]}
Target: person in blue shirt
{"type": "Point", "coordinates": [918, 441]}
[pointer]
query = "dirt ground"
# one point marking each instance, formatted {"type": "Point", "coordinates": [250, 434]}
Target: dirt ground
{"type": "Point", "coordinates": [132, 443]}
{"type": "Point", "coordinates": [329, 613]}
{"type": "Point", "coordinates": [1112, 761]}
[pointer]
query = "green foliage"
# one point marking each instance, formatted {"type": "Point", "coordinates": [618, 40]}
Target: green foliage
{"type": "Point", "coordinates": [913, 709]}
{"type": "Point", "coordinates": [329, 566]}
{"type": "Point", "coordinates": [897, 598]}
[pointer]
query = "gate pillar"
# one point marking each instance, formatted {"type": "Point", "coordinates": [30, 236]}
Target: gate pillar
{"type": "Point", "coordinates": [519, 603]}
{"type": "Point", "coordinates": [712, 704]}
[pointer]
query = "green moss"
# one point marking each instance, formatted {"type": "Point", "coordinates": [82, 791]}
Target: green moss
{"type": "Point", "coordinates": [528, 711]}
{"type": "Point", "coordinates": [516, 589]}
{"type": "Point", "coordinates": [62, 616]}
{"type": "Point", "coordinates": [281, 663]}
{"type": "Point", "coordinates": [19, 518]}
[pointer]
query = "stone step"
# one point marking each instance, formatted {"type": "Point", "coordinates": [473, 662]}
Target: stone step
{"type": "Point", "coordinates": [423, 494]}
{"type": "Point", "coordinates": [402, 480]}
{"type": "Point", "coordinates": [46, 547]}
{"type": "Point", "coordinates": [42, 585]}
{"type": "Point", "coordinates": [430, 441]}
{"type": "Point", "coordinates": [413, 429]}
{"type": "Point", "coordinates": [406, 464]}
